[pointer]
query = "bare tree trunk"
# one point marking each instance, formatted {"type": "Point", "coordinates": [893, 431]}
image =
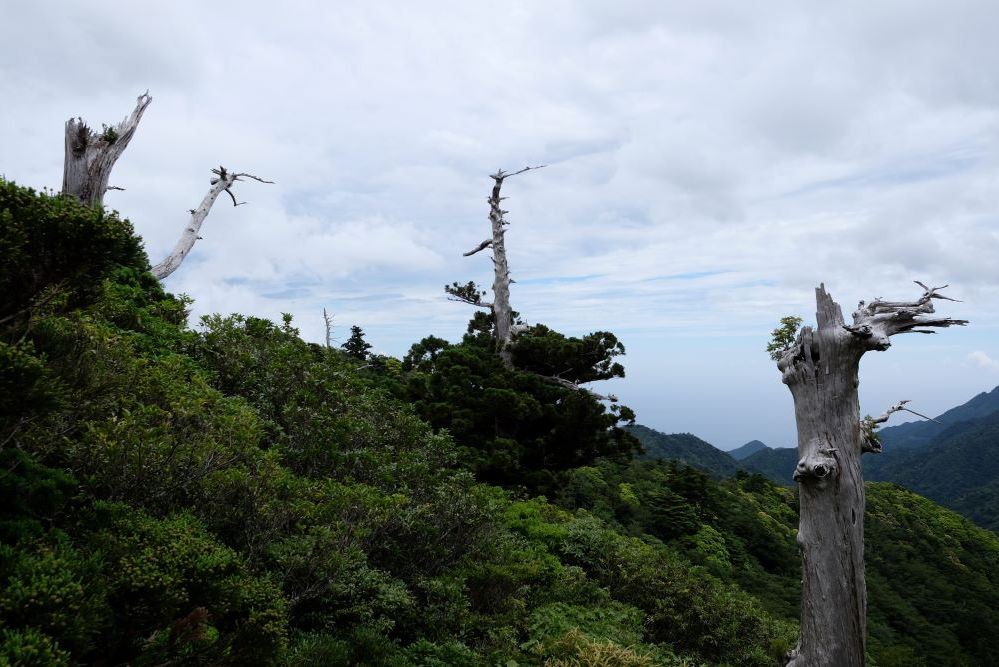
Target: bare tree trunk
{"type": "Point", "coordinates": [328, 320]}
{"type": "Point", "coordinates": [501, 309]}
{"type": "Point", "coordinates": [821, 370]}
{"type": "Point", "coordinates": [91, 156]}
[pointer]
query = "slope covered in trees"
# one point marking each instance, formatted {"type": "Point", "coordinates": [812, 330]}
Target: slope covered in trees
{"type": "Point", "coordinates": [235, 495]}
{"type": "Point", "coordinates": [747, 449]}
{"type": "Point", "coordinates": [686, 448]}
{"type": "Point", "coordinates": [959, 469]}
{"type": "Point", "coordinates": [917, 434]}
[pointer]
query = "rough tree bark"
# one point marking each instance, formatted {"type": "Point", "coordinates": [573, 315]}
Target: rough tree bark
{"type": "Point", "coordinates": [820, 369]}
{"type": "Point", "coordinates": [90, 157]}
{"type": "Point", "coordinates": [500, 306]}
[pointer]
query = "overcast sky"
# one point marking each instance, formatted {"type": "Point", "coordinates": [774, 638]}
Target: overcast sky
{"type": "Point", "coordinates": [709, 164]}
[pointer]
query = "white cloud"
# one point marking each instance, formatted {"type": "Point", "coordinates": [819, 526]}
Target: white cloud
{"type": "Point", "coordinates": [752, 152]}
{"type": "Point", "coordinates": [983, 360]}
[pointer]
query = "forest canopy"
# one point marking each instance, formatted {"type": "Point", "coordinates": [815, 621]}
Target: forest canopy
{"type": "Point", "coordinates": [233, 494]}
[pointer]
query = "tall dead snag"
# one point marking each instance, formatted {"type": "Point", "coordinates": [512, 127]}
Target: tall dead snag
{"type": "Point", "coordinates": [820, 369]}
{"type": "Point", "coordinates": [222, 182]}
{"type": "Point", "coordinates": [500, 306]}
{"type": "Point", "coordinates": [91, 156]}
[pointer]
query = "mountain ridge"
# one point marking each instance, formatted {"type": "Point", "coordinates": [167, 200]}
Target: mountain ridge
{"type": "Point", "coordinates": [748, 449]}
{"type": "Point", "coordinates": [953, 461]}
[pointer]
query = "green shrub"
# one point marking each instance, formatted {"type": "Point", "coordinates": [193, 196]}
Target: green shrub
{"type": "Point", "coordinates": [29, 647]}
{"type": "Point", "coordinates": [178, 592]}
{"type": "Point", "coordinates": [49, 586]}
{"type": "Point", "coordinates": [50, 240]}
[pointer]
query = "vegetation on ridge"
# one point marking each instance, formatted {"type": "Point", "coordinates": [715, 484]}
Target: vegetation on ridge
{"type": "Point", "coordinates": [235, 495]}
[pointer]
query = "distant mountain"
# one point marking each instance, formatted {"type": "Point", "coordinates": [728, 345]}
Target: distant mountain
{"type": "Point", "coordinates": [747, 449]}
{"type": "Point", "coordinates": [922, 433]}
{"type": "Point", "coordinates": [954, 463]}
{"type": "Point", "coordinates": [685, 448]}
{"type": "Point", "coordinates": [959, 469]}
{"type": "Point", "coordinates": [776, 464]}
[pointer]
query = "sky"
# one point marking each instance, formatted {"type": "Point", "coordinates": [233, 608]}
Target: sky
{"type": "Point", "coordinates": [708, 165]}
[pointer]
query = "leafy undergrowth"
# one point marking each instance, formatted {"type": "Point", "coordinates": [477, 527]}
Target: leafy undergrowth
{"type": "Point", "coordinates": [234, 495]}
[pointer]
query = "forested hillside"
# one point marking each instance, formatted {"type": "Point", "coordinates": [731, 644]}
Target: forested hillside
{"type": "Point", "coordinates": [686, 448]}
{"type": "Point", "coordinates": [747, 449]}
{"type": "Point", "coordinates": [915, 434]}
{"type": "Point", "coordinates": [959, 468]}
{"type": "Point", "coordinates": [232, 494]}
{"type": "Point", "coordinates": [953, 460]}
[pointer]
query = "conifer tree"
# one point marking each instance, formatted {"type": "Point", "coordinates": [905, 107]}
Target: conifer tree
{"type": "Point", "coordinates": [356, 346]}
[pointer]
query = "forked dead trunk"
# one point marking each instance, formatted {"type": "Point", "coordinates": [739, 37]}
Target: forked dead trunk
{"type": "Point", "coordinates": [90, 156]}
{"type": "Point", "coordinates": [501, 309]}
{"type": "Point", "coordinates": [821, 370]}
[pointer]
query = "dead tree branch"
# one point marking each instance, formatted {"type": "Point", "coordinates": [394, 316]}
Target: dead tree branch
{"type": "Point", "coordinates": [568, 384]}
{"type": "Point", "coordinates": [875, 322]}
{"type": "Point", "coordinates": [482, 246]}
{"type": "Point", "coordinates": [222, 182]}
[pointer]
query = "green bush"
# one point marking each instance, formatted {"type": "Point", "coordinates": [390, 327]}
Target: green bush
{"type": "Point", "coordinates": [178, 592]}
{"type": "Point", "coordinates": [28, 647]}
{"type": "Point", "coordinates": [49, 586]}
{"type": "Point", "coordinates": [50, 241]}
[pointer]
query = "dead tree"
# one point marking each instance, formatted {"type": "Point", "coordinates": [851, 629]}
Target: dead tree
{"type": "Point", "coordinates": [87, 166]}
{"type": "Point", "coordinates": [820, 368]}
{"type": "Point", "coordinates": [328, 321]}
{"type": "Point", "coordinates": [500, 306]}
{"type": "Point", "coordinates": [91, 156]}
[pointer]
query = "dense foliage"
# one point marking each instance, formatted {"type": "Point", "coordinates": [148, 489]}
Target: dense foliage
{"type": "Point", "coordinates": [686, 448]}
{"type": "Point", "coordinates": [959, 469]}
{"type": "Point", "coordinates": [516, 427]}
{"type": "Point", "coordinates": [236, 495]}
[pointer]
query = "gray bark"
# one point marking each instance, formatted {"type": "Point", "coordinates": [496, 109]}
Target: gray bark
{"type": "Point", "coordinates": [821, 370]}
{"type": "Point", "coordinates": [91, 156]}
{"type": "Point", "coordinates": [222, 182]}
{"type": "Point", "coordinates": [501, 309]}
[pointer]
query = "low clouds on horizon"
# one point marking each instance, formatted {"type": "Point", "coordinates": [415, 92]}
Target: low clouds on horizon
{"type": "Point", "coordinates": [708, 165]}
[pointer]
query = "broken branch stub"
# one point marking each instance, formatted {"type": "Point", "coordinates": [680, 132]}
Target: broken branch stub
{"type": "Point", "coordinates": [89, 156]}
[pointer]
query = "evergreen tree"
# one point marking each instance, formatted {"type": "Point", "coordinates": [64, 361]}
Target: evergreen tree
{"type": "Point", "coordinates": [356, 346]}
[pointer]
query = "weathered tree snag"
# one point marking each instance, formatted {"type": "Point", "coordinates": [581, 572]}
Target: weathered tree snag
{"type": "Point", "coordinates": [221, 183]}
{"type": "Point", "coordinates": [328, 320]}
{"type": "Point", "coordinates": [91, 156]}
{"type": "Point", "coordinates": [501, 309]}
{"type": "Point", "coordinates": [821, 369]}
